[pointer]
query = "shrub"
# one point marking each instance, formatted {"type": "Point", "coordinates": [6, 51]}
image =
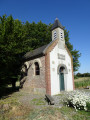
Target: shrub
{"type": "Point", "coordinates": [78, 100]}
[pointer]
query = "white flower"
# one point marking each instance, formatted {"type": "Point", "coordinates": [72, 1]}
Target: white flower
{"type": "Point", "coordinates": [78, 99]}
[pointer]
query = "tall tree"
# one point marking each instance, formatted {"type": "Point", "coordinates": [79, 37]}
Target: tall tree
{"type": "Point", "coordinates": [11, 38]}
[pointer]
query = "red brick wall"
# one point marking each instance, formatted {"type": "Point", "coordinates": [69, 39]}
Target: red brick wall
{"type": "Point", "coordinates": [36, 81]}
{"type": "Point", "coordinates": [47, 67]}
{"type": "Point", "coordinates": [47, 73]}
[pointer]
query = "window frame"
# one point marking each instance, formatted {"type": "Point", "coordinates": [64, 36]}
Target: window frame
{"type": "Point", "coordinates": [37, 68]}
{"type": "Point", "coordinates": [55, 35]}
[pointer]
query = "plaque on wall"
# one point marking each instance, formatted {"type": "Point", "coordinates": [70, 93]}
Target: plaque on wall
{"type": "Point", "coordinates": [61, 56]}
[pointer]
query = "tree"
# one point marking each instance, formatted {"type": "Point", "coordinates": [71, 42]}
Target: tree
{"type": "Point", "coordinates": [75, 53]}
{"type": "Point", "coordinates": [11, 46]}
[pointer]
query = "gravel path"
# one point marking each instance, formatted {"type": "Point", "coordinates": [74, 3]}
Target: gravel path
{"type": "Point", "coordinates": [38, 101]}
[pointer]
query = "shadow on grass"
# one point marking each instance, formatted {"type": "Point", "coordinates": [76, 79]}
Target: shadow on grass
{"type": "Point", "coordinates": [6, 91]}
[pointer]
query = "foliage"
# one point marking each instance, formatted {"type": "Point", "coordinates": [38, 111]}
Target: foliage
{"type": "Point", "coordinates": [78, 100]}
{"type": "Point", "coordinates": [17, 38]}
{"type": "Point", "coordinates": [88, 106]}
{"type": "Point", "coordinates": [83, 74]}
{"type": "Point", "coordinates": [75, 53]}
{"type": "Point", "coordinates": [75, 77]}
{"type": "Point", "coordinates": [11, 39]}
{"type": "Point", "coordinates": [83, 83]}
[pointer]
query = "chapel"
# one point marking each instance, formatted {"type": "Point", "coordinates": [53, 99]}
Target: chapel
{"type": "Point", "coordinates": [49, 69]}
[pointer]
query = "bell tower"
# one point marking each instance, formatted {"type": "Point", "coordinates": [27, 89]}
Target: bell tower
{"type": "Point", "coordinates": [58, 33]}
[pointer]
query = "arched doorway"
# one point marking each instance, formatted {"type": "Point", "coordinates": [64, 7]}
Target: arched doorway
{"type": "Point", "coordinates": [62, 71]}
{"type": "Point", "coordinates": [61, 78]}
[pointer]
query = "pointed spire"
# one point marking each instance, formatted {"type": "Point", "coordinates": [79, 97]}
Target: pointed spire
{"type": "Point", "coordinates": [57, 24]}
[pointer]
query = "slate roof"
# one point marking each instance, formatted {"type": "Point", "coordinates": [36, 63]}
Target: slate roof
{"type": "Point", "coordinates": [56, 24]}
{"type": "Point", "coordinates": [37, 52]}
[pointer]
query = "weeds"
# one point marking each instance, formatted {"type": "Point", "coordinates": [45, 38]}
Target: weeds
{"type": "Point", "coordinates": [82, 84]}
{"type": "Point", "coordinates": [39, 101]}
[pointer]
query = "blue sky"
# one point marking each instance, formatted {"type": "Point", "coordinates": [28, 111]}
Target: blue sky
{"type": "Point", "coordinates": [73, 14]}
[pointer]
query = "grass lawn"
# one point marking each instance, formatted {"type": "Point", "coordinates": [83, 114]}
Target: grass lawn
{"type": "Point", "coordinates": [11, 108]}
{"type": "Point", "coordinates": [82, 82]}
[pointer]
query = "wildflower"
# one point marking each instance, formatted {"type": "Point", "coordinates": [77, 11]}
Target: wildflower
{"type": "Point", "coordinates": [77, 99]}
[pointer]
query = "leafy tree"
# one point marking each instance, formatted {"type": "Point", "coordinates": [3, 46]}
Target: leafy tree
{"type": "Point", "coordinates": [11, 38]}
{"type": "Point", "coordinates": [83, 74]}
{"type": "Point", "coordinates": [75, 53]}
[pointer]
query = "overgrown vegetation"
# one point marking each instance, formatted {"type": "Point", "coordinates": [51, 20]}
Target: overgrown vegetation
{"type": "Point", "coordinates": [82, 84]}
{"type": "Point", "coordinates": [17, 38]}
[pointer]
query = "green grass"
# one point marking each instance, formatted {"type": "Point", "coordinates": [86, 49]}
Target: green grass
{"type": "Point", "coordinates": [67, 113]}
{"type": "Point", "coordinates": [81, 79]}
{"type": "Point", "coordinates": [39, 101]}
{"type": "Point", "coordinates": [75, 115]}
{"type": "Point", "coordinates": [47, 113]}
{"type": "Point", "coordinates": [81, 84]}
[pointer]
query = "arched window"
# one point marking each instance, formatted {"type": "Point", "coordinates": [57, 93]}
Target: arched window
{"type": "Point", "coordinates": [37, 69]}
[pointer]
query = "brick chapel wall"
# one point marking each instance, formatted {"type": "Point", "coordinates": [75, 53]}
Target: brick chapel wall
{"type": "Point", "coordinates": [34, 82]}
{"type": "Point", "coordinates": [47, 63]}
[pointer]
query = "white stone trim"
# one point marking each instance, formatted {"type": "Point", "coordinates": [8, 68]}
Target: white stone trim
{"type": "Point", "coordinates": [62, 65]}
{"type": "Point", "coordinates": [39, 62]}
